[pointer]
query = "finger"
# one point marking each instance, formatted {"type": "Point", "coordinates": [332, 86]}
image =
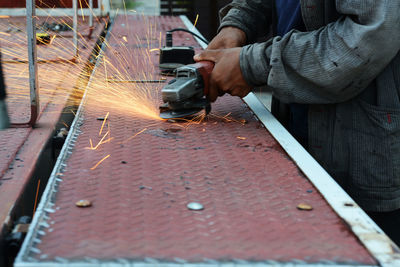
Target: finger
{"type": "Point", "coordinates": [240, 92]}
{"type": "Point", "coordinates": [210, 55]}
{"type": "Point", "coordinates": [213, 90]}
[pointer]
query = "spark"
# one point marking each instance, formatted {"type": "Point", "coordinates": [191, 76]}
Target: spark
{"type": "Point", "coordinates": [195, 21]}
{"type": "Point", "coordinates": [98, 163]}
{"type": "Point", "coordinates": [80, 3]}
{"type": "Point", "coordinates": [36, 198]}
{"type": "Point", "coordinates": [130, 138]}
{"type": "Point", "coordinates": [52, 39]}
{"type": "Point", "coordinates": [104, 122]}
{"type": "Point", "coordinates": [128, 99]}
{"type": "Point", "coordinates": [100, 142]}
{"type": "Point", "coordinates": [241, 137]}
{"type": "Point", "coordinates": [65, 124]}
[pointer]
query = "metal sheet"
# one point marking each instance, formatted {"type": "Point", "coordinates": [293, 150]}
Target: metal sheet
{"type": "Point", "coordinates": [141, 181]}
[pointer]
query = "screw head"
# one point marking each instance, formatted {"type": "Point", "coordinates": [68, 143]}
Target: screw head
{"type": "Point", "coordinates": [304, 206]}
{"type": "Point", "coordinates": [83, 203]}
{"type": "Point", "coordinates": [195, 206]}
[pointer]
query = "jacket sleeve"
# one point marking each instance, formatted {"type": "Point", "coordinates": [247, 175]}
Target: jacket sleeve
{"type": "Point", "coordinates": [251, 16]}
{"type": "Point", "coordinates": [332, 64]}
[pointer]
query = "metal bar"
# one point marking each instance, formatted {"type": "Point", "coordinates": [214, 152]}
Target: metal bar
{"type": "Point", "coordinates": [372, 237]}
{"type": "Point", "coordinates": [107, 7]}
{"type": "Point", "coordinates": [32, 57]}
{"type": "Point", "coordinates": [91, 13]}
{"type": "Point", "coordinates": [100, 7]}
{"type": "Point", "coordinates": [136, 81]}
{"type": "Point", "coordinates": [46, 12]}
{"type": "Point", "coordinates": [75, 26]}
{"type": "Point", "coordinates": [123, 262]}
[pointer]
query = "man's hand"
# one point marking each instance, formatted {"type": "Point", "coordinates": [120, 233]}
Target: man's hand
{"type": "Point", "coordinates": [228, 37]}
{"type": "Point", "coordinates": [226, 76]}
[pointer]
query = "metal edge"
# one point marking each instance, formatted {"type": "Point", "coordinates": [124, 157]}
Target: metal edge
{"type": "Point", "coordinates": [75, 26]}
{"type": "Point", "coordinates": [191, 27]}
{"type": "Point", "coordinates": [54, 12]}
{"type": "Point", "coordinates": [46, 204]}
{"type": "Point", "coordinates": [366, 230]}
{"type": "Point", "coordinates": [125, 262]}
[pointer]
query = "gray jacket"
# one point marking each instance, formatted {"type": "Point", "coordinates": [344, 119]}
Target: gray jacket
{"type": "Point", "coordinates": [347, 67]}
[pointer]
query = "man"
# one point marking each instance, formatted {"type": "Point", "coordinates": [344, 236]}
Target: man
{"type": "Point", "coordinates": [334, 69]}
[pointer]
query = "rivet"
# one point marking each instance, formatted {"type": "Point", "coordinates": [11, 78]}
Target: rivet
{"type": "Point", "coordinates": [195, 206]}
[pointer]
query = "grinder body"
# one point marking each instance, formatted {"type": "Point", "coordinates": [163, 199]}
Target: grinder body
{"type": "Point", "coordinates": [187, 94]}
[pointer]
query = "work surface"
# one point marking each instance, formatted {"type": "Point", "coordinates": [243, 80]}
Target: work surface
{"type": "Point", "coordinates": [139, 173]}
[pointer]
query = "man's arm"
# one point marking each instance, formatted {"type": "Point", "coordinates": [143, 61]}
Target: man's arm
{"type": "Point", "coordinates": [253, 17]}
{"type": "Point", "coordinates": [332, 64]}
{"type": "Point", "coordinates": [241, 22]}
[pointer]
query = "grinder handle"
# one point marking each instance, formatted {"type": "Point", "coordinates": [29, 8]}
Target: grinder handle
{"type": "Point", "coordinates": [205, 68]}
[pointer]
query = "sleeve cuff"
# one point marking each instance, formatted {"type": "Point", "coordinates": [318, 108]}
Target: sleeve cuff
{"type": "Point", "coordinates": [231, 19]}
{"type": "Point", "coordinates": [254, 64]}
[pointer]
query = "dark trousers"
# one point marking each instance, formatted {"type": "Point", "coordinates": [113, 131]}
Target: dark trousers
{"type": "Point", "coordinates": [389, 222]}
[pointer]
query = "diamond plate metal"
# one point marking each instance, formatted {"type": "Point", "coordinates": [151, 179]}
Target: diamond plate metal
{"type": "Point", "coordinates": [247, 184]}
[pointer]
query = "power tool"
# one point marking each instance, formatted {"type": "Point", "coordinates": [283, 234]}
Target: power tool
{"type": "Point", "coordinates": [186, 95]}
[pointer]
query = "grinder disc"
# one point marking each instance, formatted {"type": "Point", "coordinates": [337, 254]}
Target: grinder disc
{"type": "Point", "coordinates": [179, 114]}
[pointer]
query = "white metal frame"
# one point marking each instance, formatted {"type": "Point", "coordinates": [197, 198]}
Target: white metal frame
{"type": "Point", "coordinates": [32, 58]}
{"type": "Point", "coordinates": [75, 26]}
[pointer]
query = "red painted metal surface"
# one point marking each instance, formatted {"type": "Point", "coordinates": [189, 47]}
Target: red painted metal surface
{"type": "Point", "coordinates": [20, 148]}
{"type": "Point", "coordinates": [248, 185]}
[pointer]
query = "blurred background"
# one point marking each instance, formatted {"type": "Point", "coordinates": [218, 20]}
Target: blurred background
{"type": "Point", "coordinates": [207, 10]}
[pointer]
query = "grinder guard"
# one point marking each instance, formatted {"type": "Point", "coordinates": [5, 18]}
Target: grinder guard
{"type": "Point", "coordinates": [187, 94]}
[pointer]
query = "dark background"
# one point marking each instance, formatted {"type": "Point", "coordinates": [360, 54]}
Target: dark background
{"type": "Point", "coordinates": [207, 9]}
